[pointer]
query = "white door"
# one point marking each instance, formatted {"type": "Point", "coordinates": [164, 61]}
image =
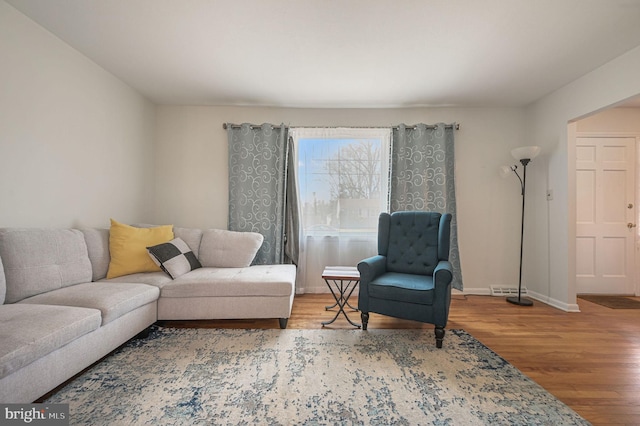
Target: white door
{"type": "Point", "coordinates": [605, 231]}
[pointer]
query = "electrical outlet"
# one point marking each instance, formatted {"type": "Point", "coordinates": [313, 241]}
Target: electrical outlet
{"type": "Point", "coordinates": [549, 194]}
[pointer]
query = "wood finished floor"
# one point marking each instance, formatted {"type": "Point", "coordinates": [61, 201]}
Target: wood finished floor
{"type": "Point", "coordinates": [589, 360]}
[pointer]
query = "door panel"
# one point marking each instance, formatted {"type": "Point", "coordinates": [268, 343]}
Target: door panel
{"type": "Point", "coordinates": [586, 252]}
{"type": "Point", "coordinates": [605, 176]}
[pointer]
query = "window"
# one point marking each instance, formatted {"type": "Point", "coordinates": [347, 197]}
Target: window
{"type": "Point", "coordinates": [343, 176]}
{"type": "Point", "coordinates": [343, 179]}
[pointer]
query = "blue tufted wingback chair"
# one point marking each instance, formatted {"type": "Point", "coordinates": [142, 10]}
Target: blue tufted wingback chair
{"type": "Point", "coordinates": [411, 276]}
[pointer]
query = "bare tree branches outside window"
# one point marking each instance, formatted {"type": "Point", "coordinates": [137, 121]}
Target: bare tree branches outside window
{"type": "Point", "coordinates": [340, 184]}
{"type": "Point", "coordinates": [354, 171]}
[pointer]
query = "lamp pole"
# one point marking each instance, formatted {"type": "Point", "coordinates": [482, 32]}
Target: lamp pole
{"type": "Point", "coordinates": [523, 184]}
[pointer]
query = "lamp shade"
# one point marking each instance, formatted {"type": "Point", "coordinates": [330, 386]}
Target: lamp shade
{"type": "Point", "coordinates": [526, 152]}
{"type": "Point", "coordinates": [505, 171]}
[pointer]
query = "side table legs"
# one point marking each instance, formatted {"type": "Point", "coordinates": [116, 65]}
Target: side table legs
{"type": "Point", "coordinates": [344, 289]}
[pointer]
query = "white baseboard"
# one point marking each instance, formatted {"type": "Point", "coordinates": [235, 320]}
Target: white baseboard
{"type": "Point", "coordinates": [319, 290]}
{"type": "Point", "coordinates": [481, 291]}
{"type": "Point", "coordinates": [531, 294]}
{"type": "Point", "coordinates": [456, 294]}
{"type": "Point", "coordinates": [567, 307]}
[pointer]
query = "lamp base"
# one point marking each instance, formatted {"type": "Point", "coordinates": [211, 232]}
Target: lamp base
{"type": "Point", "coordinates": [519, 301]}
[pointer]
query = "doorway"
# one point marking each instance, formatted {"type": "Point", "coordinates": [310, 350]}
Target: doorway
{"type": "Point", "coordinates": [611, 138]}
{"type": "Point", "coordinates": [605, 214]}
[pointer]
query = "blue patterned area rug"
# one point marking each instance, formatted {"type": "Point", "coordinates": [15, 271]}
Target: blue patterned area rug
{"type": "Point", "coordinates": [313, 377]}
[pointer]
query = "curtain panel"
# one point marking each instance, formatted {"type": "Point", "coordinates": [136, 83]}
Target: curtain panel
{"type": "Point", "coordinates": [259, 193]}
{"type": "Point", "coordinates": [423, 177]}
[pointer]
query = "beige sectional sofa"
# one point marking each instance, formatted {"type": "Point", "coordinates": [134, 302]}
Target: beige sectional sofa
{"type": "Point", "coordinates": [59, 313]}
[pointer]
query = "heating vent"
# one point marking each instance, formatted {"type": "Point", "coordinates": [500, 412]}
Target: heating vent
{"type": "Point", "coordinates": [506, 291]}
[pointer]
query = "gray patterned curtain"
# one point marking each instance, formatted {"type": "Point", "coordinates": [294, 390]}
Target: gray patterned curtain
{"type": "Point", "coordinates": [259, 198]}
{"type": "Point", "coordinates": [422, 177]}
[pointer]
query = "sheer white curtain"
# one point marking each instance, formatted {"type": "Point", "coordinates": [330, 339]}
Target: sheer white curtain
{"type": "Point", "coordinates": [343, 182]}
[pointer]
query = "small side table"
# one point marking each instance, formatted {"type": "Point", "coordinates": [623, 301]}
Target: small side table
{"type": "Point", "coordinates": [344, 279]}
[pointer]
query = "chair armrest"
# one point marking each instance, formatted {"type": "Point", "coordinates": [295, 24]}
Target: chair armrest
{"type": "Point", "coordinates": [443, 274]}
{"type": "Point", "coordinates": [369, 269]}
{"type": "Point", "coordinates": [372, 267]}
{"type": "Point", "coordinates": [442, 278]}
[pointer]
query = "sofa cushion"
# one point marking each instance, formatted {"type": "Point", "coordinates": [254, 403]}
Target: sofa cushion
{"type": "Point", "coordinates": [174, 257]}
{"type": "Point", "coordinates": [258, 280]}
{"type": "Point", "coordinates": [3, 286]}
{"type": "Point", "coordinates": [128, 248]}
{"type": "Point", "coordinates": [191, 236]}
{"type": "Point", "coordinates": [30, 332]}
{"type": "Point", "coordinates": [112, 299]}
{"type": "Point", "coordinates": [157, 279]}
{"type": "Point", "coordinates": [228, 249]}
{"type": "Point", "coordinates": [97, 240]}
{"type": "Point", "coordinates": [38, 260]}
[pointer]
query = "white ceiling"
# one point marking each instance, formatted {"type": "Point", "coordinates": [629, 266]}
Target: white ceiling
{"type": "Point", "coordinates": [344, 53]}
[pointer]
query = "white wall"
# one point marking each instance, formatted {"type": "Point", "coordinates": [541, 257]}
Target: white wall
{"type": "Point", "coordinates": [192, 173]}
{"type": "Point", "coordinates": [551, 260]}
{"type": "Point", "coordinates": [613, 120]}
{"type": "Point", "coordinates": [76, 144]}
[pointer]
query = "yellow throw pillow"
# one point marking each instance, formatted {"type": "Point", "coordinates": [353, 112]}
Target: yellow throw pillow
{"type": "Point", "coordinates": [128, 248]}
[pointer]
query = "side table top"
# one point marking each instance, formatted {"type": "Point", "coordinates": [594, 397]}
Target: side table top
{"type": "Point", "coordinates": [341, 273]}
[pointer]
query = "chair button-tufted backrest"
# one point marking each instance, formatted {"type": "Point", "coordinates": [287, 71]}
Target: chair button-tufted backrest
{"type": "Point", "coordinates": [413, 242]}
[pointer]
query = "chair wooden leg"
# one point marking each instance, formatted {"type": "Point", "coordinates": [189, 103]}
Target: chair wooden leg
{"type": "Point", "coordinates": [364, 316]}
{"type": "Point", "coordinates": [439, 336]}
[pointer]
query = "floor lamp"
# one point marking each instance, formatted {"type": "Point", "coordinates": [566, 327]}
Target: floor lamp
{"type": "Point", "coordinates": [524, 154]}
